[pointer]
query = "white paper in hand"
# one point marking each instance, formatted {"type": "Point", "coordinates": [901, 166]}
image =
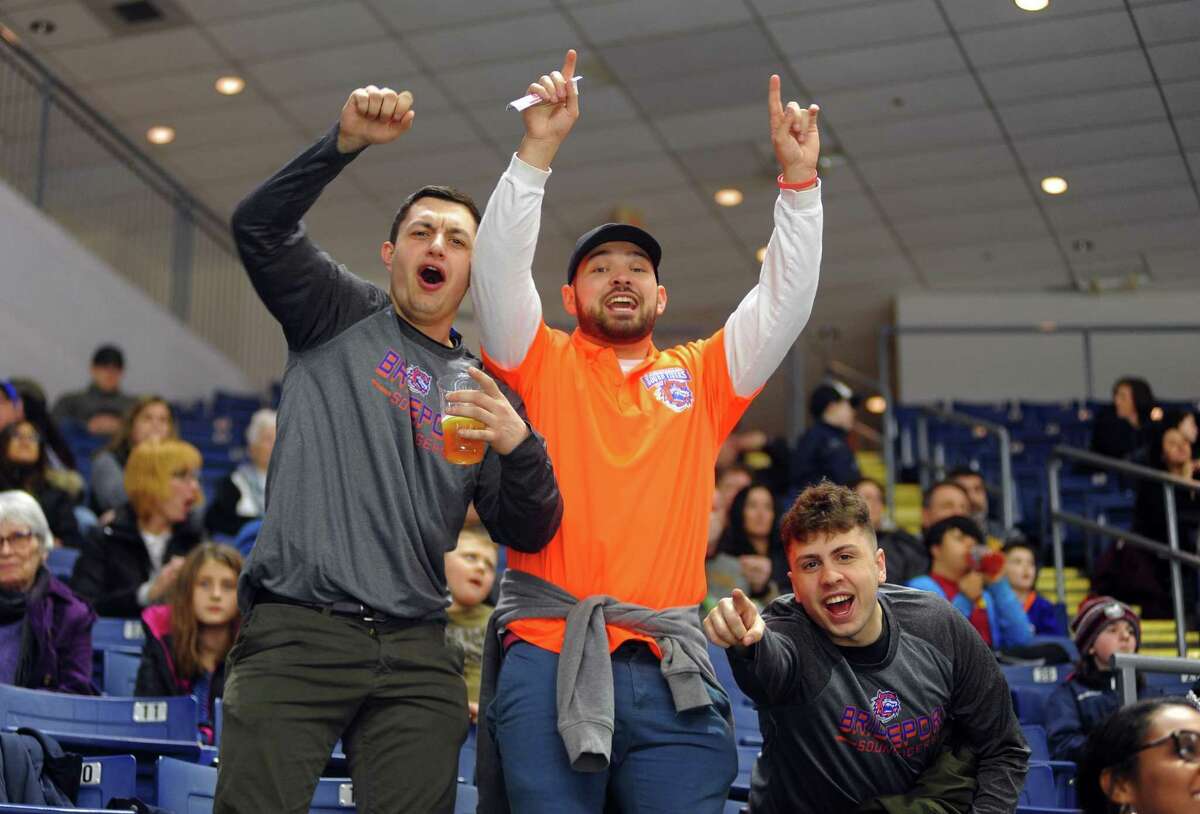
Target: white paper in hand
{"type": "Point", "coordinates": [532, 99]}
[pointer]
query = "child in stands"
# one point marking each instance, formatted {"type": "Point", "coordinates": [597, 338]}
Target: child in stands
{"type": "Point", "coordinates": [470, 572]}
{"type": "Point", "coordinates": [1102, 627]}
{"type": "Point", "coordinates": [1020, 566]}
{"type": "Point", "coordinates": [188, 640]}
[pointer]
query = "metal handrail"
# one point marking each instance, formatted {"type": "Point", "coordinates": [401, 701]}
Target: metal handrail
{"type": "Point", "coordinates": [1127, 665]}
{"type": "Point", "coordinates": [1007, 507]}
{"type": "Point", "coordinates": [1169, 549]}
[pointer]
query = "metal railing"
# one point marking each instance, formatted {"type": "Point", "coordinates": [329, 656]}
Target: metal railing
{"type": "Point", "coordinates": [1086, 334]}
{"type": "Point", "coordinates": [1170, 549]}
{"type": "Point", "coordinates": [932, 467]}
{"type": "Point", "coordinates": [1128, 665]}
{"type": "Point", "coordinates": [70, 162]}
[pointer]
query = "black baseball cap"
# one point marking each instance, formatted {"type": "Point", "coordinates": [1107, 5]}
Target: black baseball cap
{"type": "Point", "coordinates": [607, 233]}
{"type": "Point", "coordinates": [827, 394]}
{"type": "Point", "coordinates": [108, 356]}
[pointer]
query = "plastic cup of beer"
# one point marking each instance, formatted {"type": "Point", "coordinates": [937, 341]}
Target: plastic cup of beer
{"type": "Point", "coordinates": [455, 448]}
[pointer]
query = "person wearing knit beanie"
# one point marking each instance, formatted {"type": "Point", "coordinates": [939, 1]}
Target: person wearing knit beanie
{"type": "Point", "coordinates": [1102, 626]}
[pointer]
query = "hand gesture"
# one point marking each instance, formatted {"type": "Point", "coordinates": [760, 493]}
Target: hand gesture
{"type": "Point", "coordinates": [794, 135]}
{"type": "Point", "coordinates": [164, 583]}
{"type": "Point", "coordinates": [373, 116]}
{"type": "Point", "coordinates": [504, 429]}
{"type": "Point", "coordinates": [547, 124]}
{"type": "Point", "coordinates": [734, 621]}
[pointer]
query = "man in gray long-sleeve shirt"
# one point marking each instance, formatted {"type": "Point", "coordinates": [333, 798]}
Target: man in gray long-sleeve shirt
{"type": "Point", "coordinates": [859, 687]}
{"type": "Point", "coordinates": [344, 595]}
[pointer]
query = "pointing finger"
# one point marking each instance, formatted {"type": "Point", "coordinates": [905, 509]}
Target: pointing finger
{"type": "Point", "coordinates": [568, 66]}
{"type": "Point", "coordinates": [774, 106]}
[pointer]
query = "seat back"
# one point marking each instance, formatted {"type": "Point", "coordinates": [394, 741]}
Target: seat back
{"type": "Point", "coordinates": [120, 672]}
{"type": "Point", "coordinates": [57, 714]}
{"type": "Point", "coordinates": [103, 778]}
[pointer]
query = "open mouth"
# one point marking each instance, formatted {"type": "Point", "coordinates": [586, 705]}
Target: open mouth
{"type": "Point", "coordinates": [621, 303]}
{"type": "Point", "coordinates": [839, 607]}
{"type": "Point", "coordinates": [431, 277]}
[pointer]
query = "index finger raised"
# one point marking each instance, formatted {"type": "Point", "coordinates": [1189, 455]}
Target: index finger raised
{"type": "Point", "coordinates": [774, 100]}
{"type": "Point", "coordinates": [486, 382]}
{"type": "Point", "coordinates": [568, 66]}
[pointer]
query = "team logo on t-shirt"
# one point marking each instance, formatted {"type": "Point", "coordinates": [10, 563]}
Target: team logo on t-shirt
{"type": "Point", "coordinates": [419, 380]}
{"type": "Point", "coordinates": [885, 706]}
{"type": "Point", "coordinates": [671, 386]}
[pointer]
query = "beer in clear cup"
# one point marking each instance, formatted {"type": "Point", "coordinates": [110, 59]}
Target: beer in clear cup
{"type": "Point", "coordinates": [455, 448]}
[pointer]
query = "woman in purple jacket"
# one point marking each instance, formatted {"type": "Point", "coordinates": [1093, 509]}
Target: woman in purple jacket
{"type": "Point", "coordinates": [45, 629]}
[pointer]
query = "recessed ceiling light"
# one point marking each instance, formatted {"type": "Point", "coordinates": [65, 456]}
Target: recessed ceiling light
{"type": "Point", "coordinates": [1053, 185]}
{"type": "Point", "coordinates": [728, 196]}
{"type": "Point", "coordinates": [761, 254]}
{"type": "Point", "coordinates": [876, 405]}
{"type": "Point", "coordinates": [230, 85]}
{"type": "Point", "coordinates": [160, 134]}
{"type": "Point", "coordinates": [1032, 5]}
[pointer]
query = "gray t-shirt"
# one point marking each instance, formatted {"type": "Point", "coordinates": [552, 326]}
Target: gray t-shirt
{"type": "Point", "coordinates": [361, 505]}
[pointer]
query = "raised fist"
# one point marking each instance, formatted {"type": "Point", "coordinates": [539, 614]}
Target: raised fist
{"type": "Point", "coordinates": [373, 116]}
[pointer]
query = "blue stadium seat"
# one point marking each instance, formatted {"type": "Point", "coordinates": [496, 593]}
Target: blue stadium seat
{"type": "Point", "coordinates": [466, 759]}
{"type": "Point", "coordinates": [1029, 700]}
{"type": "Point", "coordinates": [467, 800]}
{"type": "Point", "coordinates": [125, 634]}
{"type": "Point", "coordinates": [163, 725]}
{"type": "Point", "coordinates": [61, 562]}
{"type": "Point", "coordinates": [120, 673]}
{"type": "Point", "coordinates": [103, 778]}
{"type": "Point", "coordinates": [741, 784]}
{"type": "Point", "coordinates": [248, 534]}
{"type": "Point", "coordinates": [1039, 789]}
{"type": "Point", "coordinates": [1022, 675]}
{"type": "Point", "coordinates": [734, 807]}
{"type": "Point", "coordinates": [1035, 736]}
{"type": "Point", "coordinates": [9, 808]}
{"type": "Point", "coordinates": [189, 787]}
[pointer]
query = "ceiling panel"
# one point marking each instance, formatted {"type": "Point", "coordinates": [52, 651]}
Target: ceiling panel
{"type": "Point", "coordinates": [498, 83]}
{"type": "Point", "coordinates": [1071, 215]}
{"type": "Point", "coordinates": [857, 25]}
{"type": "Point", "coordinates": [321, 26]}
{"type": "Point", "coordinates": [1081, 111]}
{"type": "Point", "coordinates": [1168, 22]}
{"type": "Point", "coordinates": [891, 102]}
{"type": "Point", "coordinates": [1058, 152]}
{"type": "Point", "coordinates": [712, 90]}
{"type": "Point", "coordinates": [967, 15]}
{"type": "Point", "coordinates": [1019, 222]}
{"type": "Point", "coordinates": [380, 62]}
{"type": "Point", "coordinates": [165, 94]}
{"type": "Point", "coordinates": [419, 15]}
{"type": "Point", "coordinates": [704, 128]}
{"type": "Point", "coordinates": [864, 68]}
{"type": "Point", "coordinates": [1123, 174]}
{"type": "Point", "coordinates": [637, 19]}
{"type": "Point", "coordinates": [1183, 97]}
{"type": "Point", "coordinates": [127, 58]}
{"type": "Point", "coordinates": [74, 23]}
{"type": "Point", "coordinates": [975, 161]}
{"type": "Point", "coordinates": [1180, 60]}
{"type": "Point", "coordinates": [995, 260]}
{"type": "Point", "coordinates": [685, 56]}
{"type": "Point", "coordinates": [494, 41]}
{"type": "Point", "coordinates": [214, 10]}
{"type": "Point", "coordinates": [1067, 76]}
{"type": "Point", "coordinates": [921, 202]}
{"type": "Point", "coordinates": [921, 134]}
{"type": "Point", "coordinates": [1045, 39]}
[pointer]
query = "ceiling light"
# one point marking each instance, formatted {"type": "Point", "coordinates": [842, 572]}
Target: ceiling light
{"type": "Point", "coordinates": [230, 85]}
{"type": "Point", "coordinates": [728, 196]}
{"type": "Point", "coordinates": [761, 254]}
{"type": "Point", "coordinates": [876, 405]}
{"type": "Point", "coordinates": [1032, 5]}
{"type": "Point", "coordinates": [160, 134]}
{"type": "Point", "coordinates": [1053, 185]}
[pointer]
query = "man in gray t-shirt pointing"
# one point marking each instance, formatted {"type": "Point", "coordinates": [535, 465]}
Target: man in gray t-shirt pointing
{"type": "Point", "coordinates": [344, 594]}
{"type": "Point", "coordinates": [860, 685]}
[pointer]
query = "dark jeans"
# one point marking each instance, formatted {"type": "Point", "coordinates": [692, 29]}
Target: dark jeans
{"type": "Point", "coordinates": [662, 761]}
{"type": "Point", "coordinates": [299, 679]}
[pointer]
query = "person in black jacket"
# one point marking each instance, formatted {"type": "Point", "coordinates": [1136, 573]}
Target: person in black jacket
{"type": "Point", "coordinates": [187, 641]}
{"type": "Point", "coordinates": [1119, 429]}
{"type": "Point", "coordinates": [24, 465]}
{"type": "Point", "coordinates": [132, 562]}
{"type": "Point", "coordinates": [823, 453]}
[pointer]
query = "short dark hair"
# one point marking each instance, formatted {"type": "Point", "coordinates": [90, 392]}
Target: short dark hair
{"type": "Point", "coordinates": [441, 193]}
{"type": "Point", "coordinates": [935, 533]}
{"type": "Point", "coordinates": [823, 510]}
{"type": "Point", "coordinates": [108, 356]}
{"type": "Point", "coordinates": [925, 498]}
{"type": "Point", "coordinates": [1113, 745]}
{"type": "Point", "coordinates": [964, 472]}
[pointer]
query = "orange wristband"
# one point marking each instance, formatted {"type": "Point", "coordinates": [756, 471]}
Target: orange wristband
{"type": "Point", "coordinates": [809, 184]}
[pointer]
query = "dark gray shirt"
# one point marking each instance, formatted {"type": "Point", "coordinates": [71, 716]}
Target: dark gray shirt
{"type": "Point", "coordinates": [361, 504]}
{"type": "Point", "coordinates": [837, 734]}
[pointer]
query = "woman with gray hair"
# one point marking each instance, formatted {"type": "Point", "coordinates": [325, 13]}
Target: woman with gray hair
{"type": "Point", "coordinates": [241, 496]}
{"type": "Point", "coordinates": [45, 629]}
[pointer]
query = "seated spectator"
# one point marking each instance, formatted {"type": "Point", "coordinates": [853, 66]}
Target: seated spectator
{"type": "Point", "coordinates": [133, 562]}
{"type": "Point", "coordinates": [975, 586]}
{"type": "Point", "coordinates": [944, 499]}
{"type": "Point", "coordinates": [975, 486]}
{"type": "Point", "coordinates": [11, 407]}
{"type": "Point", "coordinates": [188, 640]}
{"type": "Point", "coordinates": [24, 465]}
{"type": "Point", "coordinates": [98, 408]}
{"type": "Point", "coordinates": [33, 401]}
{"type": "Point", "coordinates": [750, 553]}
{"type": "Point", "coordinates": [1089, 697]}
{"type": "Point", "coordinates": [150, 419]}
{"type": "Point", "coordinates": [861, 687]}
{"type": "Point", "coordinates": [1143, 759]}
{"type": "Point", "coordinates": [45, 629]}
{"type": "Point", "coordinates": [241, 496]}
{"type": "Point", "coordinates": [823, 452]}
{"type": "Point", "coordinates": [1020, 566]}
{"type": "Point", "coordinates": [1118, 430]}
{"type": "Point", "coordinates": [1136, 575]}
{"type": "Point", "coordinates": [731, 479]}
{"type": "Point", "coordinates": [906, 555]}
{"type": "Point", "coordinates": [470, 573]}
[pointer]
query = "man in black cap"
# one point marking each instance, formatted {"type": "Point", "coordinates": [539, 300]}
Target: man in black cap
{"type": "Point", "coordinates": [102, 405]}
{"type": "Point", "coordinates": [823, 452]}
{"type": "Point", "coordinates": [633, 432]}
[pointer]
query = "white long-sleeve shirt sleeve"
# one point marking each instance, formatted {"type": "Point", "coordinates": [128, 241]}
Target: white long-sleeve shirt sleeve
{"type": "Point", "coordinates": [502, 289]}
{"type": "Point", "coordinates": [768, 320]}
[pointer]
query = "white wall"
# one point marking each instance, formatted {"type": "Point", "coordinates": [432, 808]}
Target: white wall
{"type": "Point", "coordinates": [58, 302]}
{"type": "Point", "coordinates": [1048, 366]}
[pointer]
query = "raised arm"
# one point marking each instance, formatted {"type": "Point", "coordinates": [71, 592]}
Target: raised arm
{"type": "Point", "coordinates": [506, 300]}
{"type": "Point", "coordinates": [310, 295]}
{"type": "Point", "coordinates": [768, 320]}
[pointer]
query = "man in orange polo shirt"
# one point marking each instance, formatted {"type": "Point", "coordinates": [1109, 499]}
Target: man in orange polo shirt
{"type": "Point", "coordinates": [633, 432]}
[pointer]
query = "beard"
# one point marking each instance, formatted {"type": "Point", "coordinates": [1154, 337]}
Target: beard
{"type": "Point", "coordinates": [599, 323]}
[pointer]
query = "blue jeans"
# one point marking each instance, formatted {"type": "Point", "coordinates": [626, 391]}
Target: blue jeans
{"type": "Point", "coordinates": [662, 761]}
